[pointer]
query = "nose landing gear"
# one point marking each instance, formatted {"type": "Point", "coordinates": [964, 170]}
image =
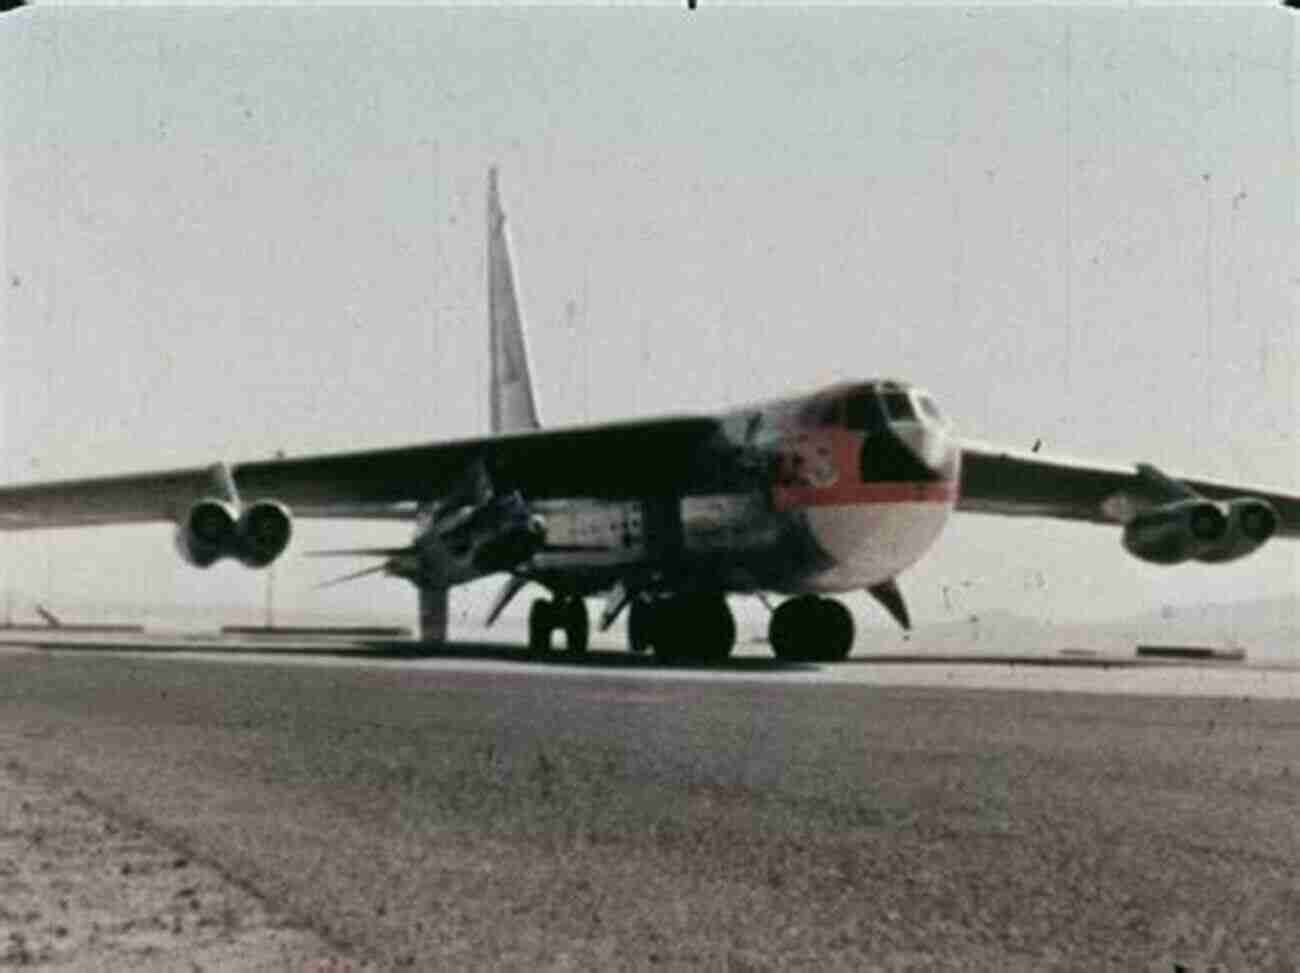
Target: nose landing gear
{"type": "Point", "coordinates": [809, 628]}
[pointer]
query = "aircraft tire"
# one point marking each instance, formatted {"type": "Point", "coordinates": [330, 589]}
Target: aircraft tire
{"type": "Point", "coordinates": [577, 628]}
{"type": "Point", "coordinates": [835, 631]}
{"type": "Point", "coordinates": [640, 625]}
{"type": "Point", "coordinates": [693, 629]}
{"type": "Point", "coordinates": [715, 629]}
{"type": "Point", "coordinates": [670, 630]}
{"type": "Point", "coordinates": [787, 631]}
{"type": "Point", "coordinates": [808, 628]}
{"type": "Point", "coordinates": [541, 620]}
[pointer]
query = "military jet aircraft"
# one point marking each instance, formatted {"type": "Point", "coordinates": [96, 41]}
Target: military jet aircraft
{"type": "Point", "coordinates": [803, 497]}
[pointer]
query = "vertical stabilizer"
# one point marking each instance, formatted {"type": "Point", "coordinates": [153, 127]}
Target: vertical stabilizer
{"type": "Point", "coordinates": [513, 407]}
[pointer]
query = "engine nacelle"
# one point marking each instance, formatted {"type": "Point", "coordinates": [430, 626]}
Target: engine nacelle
{"type": "Point", "coordinates": [1251, 522]}
{"type": "Point", "coordinates": [1177, 532]}
{"type": "Point", "coordinates": [262, 533]}
{"type": "Point", "coordinates": [214, 529]}
{"type": "Point", "coordinates": [208, 532]}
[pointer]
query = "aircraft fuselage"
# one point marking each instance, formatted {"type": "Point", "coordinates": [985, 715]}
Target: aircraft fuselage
{"type": "Point", "coordinates": [829, 492]}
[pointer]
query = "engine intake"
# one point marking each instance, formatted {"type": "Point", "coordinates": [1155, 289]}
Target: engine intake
{"type": "Point", "coordinates": [207, 534]}
{"type": "Point", "coordinates": [214, 529]}
{"type": "Point", "coordinates": [262, 533]}
{"type": "Point", "coordinates": [1176, 532]}
{"type": "Point", "coordinates": [1200, 530]}
{"type": "Point", "coordinates": [1251, 522]}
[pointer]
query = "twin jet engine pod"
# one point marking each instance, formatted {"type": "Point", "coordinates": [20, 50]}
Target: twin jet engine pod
{"type": "Point", "coordinates": [1198, 529]}
{"type": "Point", "coordinates": [214, 529]}
{"type": "Point", "coordinates": [262, 533]}
{"type": "Point", "coordinates": [207, 534]}
{"type": "Point", "coordinates": [1250, 523]}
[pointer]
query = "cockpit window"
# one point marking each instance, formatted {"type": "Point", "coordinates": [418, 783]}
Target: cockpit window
{"type": "Point", "coordinates": [930, 409]}
{"type": "Point", "coordinates": [862, 413]}
{"type": "Point", "coordinates": [899, 405]}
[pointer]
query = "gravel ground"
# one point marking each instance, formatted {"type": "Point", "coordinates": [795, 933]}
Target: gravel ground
{"type": "Point", "coordinates": [441, 818]}
{"type": "Point", "coordinates": [83, 888]}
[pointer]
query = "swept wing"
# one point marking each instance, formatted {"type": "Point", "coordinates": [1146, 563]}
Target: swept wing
{"type": "Point", "coordinates": [636, 458]}
{"type": "Point", "coordinates": [1020, 484]}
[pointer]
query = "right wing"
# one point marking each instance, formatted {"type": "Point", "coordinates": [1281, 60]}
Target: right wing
{"type": "Point", "coordinates": [1018, 484]}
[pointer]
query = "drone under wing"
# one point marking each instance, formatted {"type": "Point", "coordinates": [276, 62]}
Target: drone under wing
{"type": "Point", "coordinates": [1017, 484]}
{"type": "Point", "coordinates": [617, 459]}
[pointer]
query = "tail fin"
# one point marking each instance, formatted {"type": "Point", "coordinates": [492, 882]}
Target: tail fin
{"type": "Point", "coordinates": [513, 407]}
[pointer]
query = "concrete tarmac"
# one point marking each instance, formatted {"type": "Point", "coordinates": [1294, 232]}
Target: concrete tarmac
{"type": "Point", "coordinates": [1103, 673]}
{"type": "Point", "coordinates": [474, 810]}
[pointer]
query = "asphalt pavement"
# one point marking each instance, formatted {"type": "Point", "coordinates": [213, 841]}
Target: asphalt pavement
{"type": "Point", "coordinates": [475, 810]}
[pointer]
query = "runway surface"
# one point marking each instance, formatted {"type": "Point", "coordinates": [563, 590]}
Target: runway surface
{"type": "Point", "coordinates": [475, 810]}
{"type": "Point", "coordinates": [1076, 672]}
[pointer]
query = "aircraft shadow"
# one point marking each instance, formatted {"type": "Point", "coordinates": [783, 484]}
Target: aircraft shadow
{"type": "Point", "coordinates": [1003, 659]}
{"type": "Point", "coordinates": [598, 658]}
{"type": "Point", "coordinates": [601, 658]}
{"type": "Point", "coordinates": [506, 652]}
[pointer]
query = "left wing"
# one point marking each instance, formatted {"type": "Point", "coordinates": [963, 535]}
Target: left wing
{"type": "Point", "coordinates": [618, 459]}
{"type": "Point", "coordinates": [997, 481]}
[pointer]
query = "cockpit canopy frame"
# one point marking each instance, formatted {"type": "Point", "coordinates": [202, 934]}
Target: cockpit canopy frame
{"type": "Point", "coordinates": [870, 407]}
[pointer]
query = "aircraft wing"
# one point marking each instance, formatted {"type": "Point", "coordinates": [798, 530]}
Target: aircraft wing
{"type": "Point", "coordinates": [620, 459]}
{"type": "Point", "coordinates": [1017, 484]}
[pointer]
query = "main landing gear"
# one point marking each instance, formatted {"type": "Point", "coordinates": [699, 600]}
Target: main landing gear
{"type": "Point", "coordinates": [698, 628]}
{"type": "Point", "coordinates": [809, 628]}
{"type": "Point", "coordinates": [684, 628]}
{"type": "Point", "coordinates": [569, 615]}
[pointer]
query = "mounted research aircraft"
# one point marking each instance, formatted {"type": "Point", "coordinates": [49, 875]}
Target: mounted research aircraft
{"type": "Point", "coordinates": [830, 492]}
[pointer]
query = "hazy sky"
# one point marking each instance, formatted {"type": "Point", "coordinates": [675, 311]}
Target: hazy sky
{"type": "Point", "coordinates": [231, 231]}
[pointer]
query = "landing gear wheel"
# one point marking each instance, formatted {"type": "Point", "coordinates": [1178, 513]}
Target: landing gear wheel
{"type": "Point", "coordinates": [811, 629]}
{"type": "Point", "coordinates": [569, 616]}
{"type": "Point", "coordinates": [640, 625]}
{"type": "Point", "coordinates": [695, 628]}
{"type": "Point", "coordinates": [715, 629]}
{"type": "Point", "coordinates": [835, 631]}
{"type": "Point", "coordinates": [577, 629]}
{"type": "Point", "coordinates": [788, 630]}
{"type": "Point", "coordinates": [671, 631]}
{"type": "Point", "coordinates": [541, 619]}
